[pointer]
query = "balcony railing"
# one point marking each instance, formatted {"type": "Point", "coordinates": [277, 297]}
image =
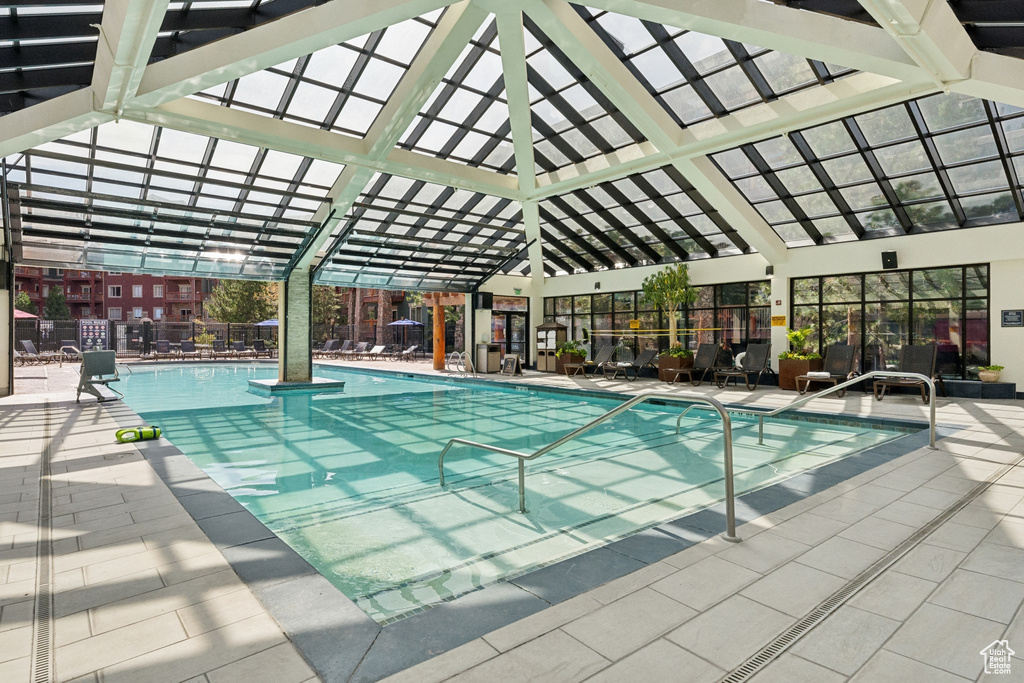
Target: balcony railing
{"type": "Point", "coordinates": [84, 296]}
{"type": "Point", "coordinates": [180, 296]}
{"type": "Point", "coordinates": [80, 274]}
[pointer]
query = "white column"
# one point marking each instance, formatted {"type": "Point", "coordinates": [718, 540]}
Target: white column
{"type": "Point", "coordinates": [295, 360]}
{"type": "Point", "coordinates": [780, 306]}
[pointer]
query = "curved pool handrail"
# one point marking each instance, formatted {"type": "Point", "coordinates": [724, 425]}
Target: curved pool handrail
{"type": "Point", "coordinates": [761, 414]}
{"type": "Point", "coordinates": [730, 503]}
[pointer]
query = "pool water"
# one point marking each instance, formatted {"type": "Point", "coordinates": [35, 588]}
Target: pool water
{"type": "Point", "coordinates": [350, 480]}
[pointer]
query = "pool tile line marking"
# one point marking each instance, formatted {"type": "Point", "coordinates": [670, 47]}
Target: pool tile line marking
{"type": "Point", "coordinates": [827, 607]}
{"type": "Point", "coordinates": [342, 643]}
{"type": "Point", "coordinates": [42, 619]}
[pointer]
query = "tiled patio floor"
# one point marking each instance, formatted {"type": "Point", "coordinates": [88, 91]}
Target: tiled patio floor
{"type": "Point", "coordinates": [141, 593]}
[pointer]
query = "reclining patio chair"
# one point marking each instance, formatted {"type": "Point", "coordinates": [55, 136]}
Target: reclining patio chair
{"type": "Point", "coordinates": [644, 359]}
{"type": "Point", "coordinates": [354, 354]}
{"type": "Point", "coordinates": [704, 361]}
{"type": "Point", "coordinates": [99, 368]}
{"type": "Point", "coordinates": [239, 350]}
{"type": "Point", "coordinates": [188, 350]}
{"type": "Point", "coordinates": [31, 356]}
{"type": "Point", "coordinates": [329, 348]}
{"type": "Point", "coordinates": [603, 358]}
{"type": "Point", "coordinates": [345, 346]}
{"type": "Point", "coordinates": [407, 354]}
{"type": "Point", "coordinates": [259, 347]}
{"type": "Point", "coordinates": [840, 365]}
{"type": "Point", "coordinates": [220, 350]}
{"type": "Point", "coordinates": [163, 349]}
{"type": "Point", "coordinates": [756, 362]}
{"type": "Point", "coordinates": [376, 353]}
{"type": "Point", "coordinates": [913, 358]}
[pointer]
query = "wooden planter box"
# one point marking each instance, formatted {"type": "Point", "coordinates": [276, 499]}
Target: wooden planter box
{"type": "Point", "coordinates": [667, 362]}
{"type": "Point", "coordinates": [560, 361]}
{"type": "Point", "coordinates": [789, 369]}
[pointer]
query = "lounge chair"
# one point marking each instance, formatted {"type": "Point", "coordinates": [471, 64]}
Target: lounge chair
{"type": "Point", "coordinates": [99, 368]}
{"type": "Point", "coordinates": [329, 348]}
{"type": "Point", "coordinates": [188, 350]}
{"type": "Point", "coordinates": [220, 350]}
{"type": "Point", "coordinates": [919, 359]}
{"type": "Point", "coordinates": [704, 360]}
{"type": "Point", "coordinates": [376, 353]}
{"type": "Point", "coordinates": [644, 359]}
{"type": "Point", "coordinates": [163, 349]}
{"type": "Point", "coordinates": [355, 353]}
{"type": "Point", "coordinates": [31, 356]}
{"type": "Point", "coordinates": [603, 357]}
{"type": "Point", "coordinates": [755, 362]}
{"type": "Point", "coordinates": [239, 350]}
{"type": "Point", "coordinates": [259, 347]}
{"type": "Point", "coordinates": [840, 365]}
{"type": "Point", "coordinates": [407, 354]}
{"type": "Point", "coordinates": [69, 350]}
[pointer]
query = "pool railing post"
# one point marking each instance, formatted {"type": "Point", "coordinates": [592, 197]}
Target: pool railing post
{"type": "Point", "coordinates": [730, 492]}
{"type": "Point", "coordinates": [522, 486]}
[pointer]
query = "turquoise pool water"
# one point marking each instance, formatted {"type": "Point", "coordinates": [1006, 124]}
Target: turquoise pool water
{"type": "Point", "coordinates": [350, 480]}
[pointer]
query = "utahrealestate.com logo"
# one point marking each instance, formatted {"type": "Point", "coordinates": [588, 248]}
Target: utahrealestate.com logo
{"type": "Point", "coordinates": [997, 657]}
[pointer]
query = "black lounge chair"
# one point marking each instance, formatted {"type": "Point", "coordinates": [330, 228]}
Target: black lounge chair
{"type": "Point", "coordinates": [220, 350]}
{"type": "Point", "coordinates": [840, 364]}
{"type": "Point", "coordinates": [913, 358]}
{"type": "Point", "coordinates": [355, 353]}
{"type": "Point", "coordinates": [188, 350]}
{"type": "Point", "coordinates": [163, 349]}
{"type": "Point", "coordinates": [239, 350]}
{"type": "Point", "coordinates": [704, 360]}
{"type": "Point", "coordinates": [603, 358]}
{"type": "Point", "coordinates": [755, 362]}
{"type": "Point", "coordinates": [330, 348]}
{"type": "Point", "coordinates": [259, 347]}
{"type": "Point", "coordinates": [407, 354]}
{"type": "Point", "coordinates": [99, 368]}
{"type": "Point", "coordinates": [644, 359]}
{"type": "Point", "coordinates": [31, 356]}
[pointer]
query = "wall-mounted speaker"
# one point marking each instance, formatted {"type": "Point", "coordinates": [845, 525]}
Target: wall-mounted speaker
{"type": "Point", "coordinates": [484, 301]}
{"type": "Point", "coordinates": [769, 270]}
{"type": "Point", "coordinates": [889, 260]}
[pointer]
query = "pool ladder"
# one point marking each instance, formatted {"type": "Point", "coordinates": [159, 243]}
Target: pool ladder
{"type": "Point", "coordinates": [730, 503]}
{"type": "Point", "coordinates": [462, 362]}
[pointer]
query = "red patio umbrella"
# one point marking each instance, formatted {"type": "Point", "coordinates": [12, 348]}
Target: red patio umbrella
{"type": "Point", "coordinates": [18, 313]}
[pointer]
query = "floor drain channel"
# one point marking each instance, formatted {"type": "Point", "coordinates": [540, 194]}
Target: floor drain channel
{"type": "Point", "coordinates": [42, 632]}
{"type": "Point", "coordinates": [772, 650]}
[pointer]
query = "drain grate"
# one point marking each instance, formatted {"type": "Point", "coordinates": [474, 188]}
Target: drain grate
{"type": "Point", "coordinates": [42, 631]}
{"type": "Point", "coordinates": [772, 650]}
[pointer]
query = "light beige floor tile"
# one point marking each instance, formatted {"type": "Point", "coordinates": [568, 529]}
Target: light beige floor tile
{"type": "Point", "coordinates": [705, 583]}
{"type": "Point", "coordinates": [632, 582]}
{"type": "Point", "coordinates": [763, 552]}
{"type": "Point", "coordinates": [446, 665]}
{"type": "Point", "coordinates": [878, 532]}
{"type": "Point", "coordinates": [793, 588]}
{"type": "Point", "coordinates": [660, 661]}
{"type": "Point", "coordinates": [889, 667]}
{"type": "Point", "coordinates": [985, 596]}
{"type": "Point", "coordinates": [997, 560]}
{"type": "Point", "coordinates": [910, 514]}
{"type": "Point", "coordinates": [846, 639]}
{"type": "Point", "coordinates": [279, 664]}
{"type": "Point", "coordinates": [220, 611]}
{"type": "Point", "coordinates": [946, 639]}
{"type": "Point", "coordinates": [15, 643]}
{"type": "Point", "coordinates": [792, 669]}
{"type": "Point", "coordinates": [16, 614]}
{"type": "Point", "coordinates": [519, 632]}
{"type": "Point", "coordinates": [625, 625]}
{"type": "Point", "coordinates": [730, 632]}
{"type": "Point", "coordinates": [16, 669]}
{"type": "Point", "coordinates": [893, 595]}
{"type": "Point", "coordinates": [71, 628]}
{"type": "Point", "coordinates": [957, 536]}
{"type": "Point", "coordinates": [1008, 532]}
{"type": "Point", "coordinates": [841, 556]}
{"type": "Point", "coordinates": [929, 562]}
{"type": "Point", "coordinates": [845, 509]}
{"type": "Point", "coordinates": [872, 493]}
{"type": "Point", "coordinates": [933, 498]}
{"type": "Point", "coordinates": [116, 646]}
{"type": "Point", "coordinates": [978, 515]}
{"type": "Point", "coordinates": [552, 657]}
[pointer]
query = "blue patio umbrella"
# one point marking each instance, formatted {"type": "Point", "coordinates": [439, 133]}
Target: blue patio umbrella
{"type": "Point", "coordinates": [403, 323]}
{"type": "Point", "coordinates": [267, 323]}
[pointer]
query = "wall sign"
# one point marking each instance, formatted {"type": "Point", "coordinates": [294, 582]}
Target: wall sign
{"type": "Point", "coordinates": [93, 334]}
{"type": "Point", "coordinates": [1013, 318]}
{"type": "Point", "coordinates": [634, 324]}
{"type": "Point", "coordinates": [778, 321]}
{"type": "Point", "coordinates": [510, 365]}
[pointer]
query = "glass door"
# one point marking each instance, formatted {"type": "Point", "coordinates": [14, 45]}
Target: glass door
{"type": "Point", "coordinates": [508, 329]}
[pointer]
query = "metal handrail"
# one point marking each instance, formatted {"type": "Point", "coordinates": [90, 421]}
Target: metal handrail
{"type": "Point", "coordinates": [761, 414]}
{"type": "Point", "coordinates": [730, 494]}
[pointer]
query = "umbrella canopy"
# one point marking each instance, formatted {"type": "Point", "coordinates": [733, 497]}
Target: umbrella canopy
{"type": "Point", "coordinates": [403, 321]}
{"type": "Point", "coordinates": [267, 323]}
{"type": "Point", "coordinates": [18, 313]}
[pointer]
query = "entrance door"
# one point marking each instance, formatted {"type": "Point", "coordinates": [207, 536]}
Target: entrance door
{"type": "Point", "coordinates": [509, 330]}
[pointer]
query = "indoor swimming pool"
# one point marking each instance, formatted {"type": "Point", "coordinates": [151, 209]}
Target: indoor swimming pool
{"type": "Point", "coordinates": [350, 480]}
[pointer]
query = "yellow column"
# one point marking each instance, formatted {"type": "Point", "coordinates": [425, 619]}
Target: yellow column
{"type": "Point", "coordinates": [438, 336]}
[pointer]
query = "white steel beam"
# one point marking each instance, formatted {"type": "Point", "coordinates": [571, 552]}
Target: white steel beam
{"type": "Point", "coordinates": [127, 36]}
{"type": "Point", "coordinates": [344, 194]}
{"type": "Point", "coordinates": [49, 121]}
{"type": "Point", "coordinates": [517, 93]}
{"type": "Point", "coordinates": [273, 43]}
{"type": "Point", "coordinates": [202, 118]}
{"type": "Point", "coordinates": [531, 223]}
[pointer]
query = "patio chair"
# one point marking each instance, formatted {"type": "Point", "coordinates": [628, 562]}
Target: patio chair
{"type": "Point", "coordinates": [407, 354]}
{"type": "Point", "coordinates": [163, 349]}
{"type": "Point", "coordinates": [220, 350]}
{"type": "Point", "coordinates": [69, 350]}
{"type": "Point", "coordinates": [376, 353]}
{"type": "Point", "coordinates": [239, 350]}
{"type": "Point", "coordinates": [99, 369]}
{"type": "Point", "coordinates": [755, 362]}
{"type": "Point", "coordinates": [345, 346]}
{"type": "Point", "coordinates": [31, 356]}
{"type": "Point", "coordinates": [913, 358]}
{"type": "Point", "coordinates": [603, 357]}
{"type": "Point", "coordinates": [355, 353]}
{"type": "Point", "coordinates": [259, 347]}
{"type": "Point", "coordinates": [330, 347]}
{"type": "Point", "coordinates": [188, 350]}
{"type": "Point", "coordinates": [704, 361]}
{"type": "Point", "coordinates": [840, 365]}
{"type": "Point", "coordinates": [645, 359]}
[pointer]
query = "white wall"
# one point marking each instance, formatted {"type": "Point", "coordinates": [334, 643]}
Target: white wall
{"type": "Point", "coordinates": [6, 335]}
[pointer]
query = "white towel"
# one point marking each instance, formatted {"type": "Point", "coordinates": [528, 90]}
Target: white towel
{"type": "Point", "coordinates": [818, 375]}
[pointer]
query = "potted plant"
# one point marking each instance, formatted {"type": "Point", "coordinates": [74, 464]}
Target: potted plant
{"type": "Point", "coordinates": [799, 360]}
{"type": "Point", "coordinates": [675, 357]}
{"type": "Point", "coordinates": [570, 351]}
{"type": "Point", "coordinates": [989, 373]}
{"type": "Point", "coordinates": [669, 289]}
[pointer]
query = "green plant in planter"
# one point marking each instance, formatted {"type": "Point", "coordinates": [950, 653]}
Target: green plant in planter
{"type": "Point", "coordinates": [677, 351]}
{"type": "Point", "coordinates": [571, 347]}
{"type": "Point", "coordinates": [991, 368]}
{"type": "Point", "coordinates": [669, 289]}
{"type": "Point", "coordinates": [800, 349]}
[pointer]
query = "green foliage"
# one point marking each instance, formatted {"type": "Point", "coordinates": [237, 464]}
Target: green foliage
{"type": "Point", "coordinates": [992, 368]}
{"type": "Point", "coordinates": [202, 335]}
{"type": "Point", "coordinates": [801, 350]}
{"type": "Point", "coordinates": [572, 347]}
{"type": "Point", "coordinates": [669, 289]}
{"type": "Point", "coordinates": [23, 303]}
{"type": "Point", "coordinates": [677, 351]}
{"type": "Point", "coordinates": [243, 301]}
{"type": "Point", "coordinates": [325, 305]}
{"type": "Point", "coordinates": [56, 305]}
